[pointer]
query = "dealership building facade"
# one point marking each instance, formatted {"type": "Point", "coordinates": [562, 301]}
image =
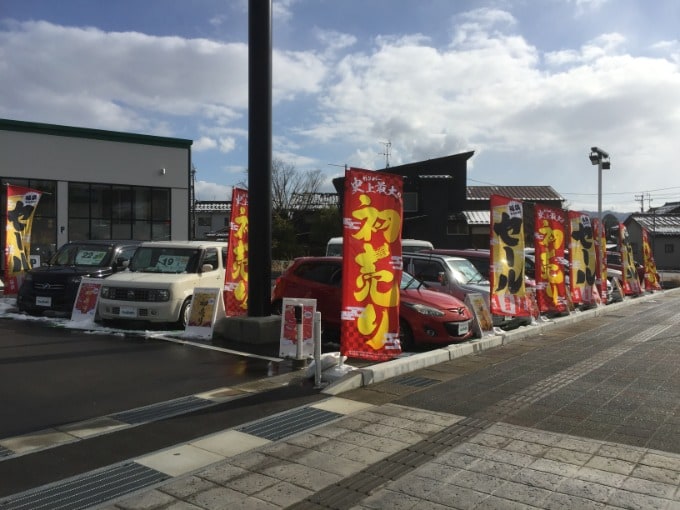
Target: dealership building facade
{"type": "Point", "coordinates": [96, 184]}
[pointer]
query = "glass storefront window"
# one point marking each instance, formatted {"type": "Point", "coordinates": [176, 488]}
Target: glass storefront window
{"type": "Point", "coordinates": [100, 211]}
{"type": "Point", "coordinates": [78, 201]}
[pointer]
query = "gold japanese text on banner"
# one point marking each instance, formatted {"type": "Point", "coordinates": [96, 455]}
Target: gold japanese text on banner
{"type": "Point", "coordinates": [651, 274]}
{"type": "Point", "coordinates": [600, 258]}
{"type": "Point", "coordinates": [582, 259]}
{"type": "Point", "coordinates": [21, 205]}
{"type": "Point", "coordinates": [508, 295]}
{"type": "Point", "coordinates": [236, 274]}
{"type": "Point", "coordinates": [372, 265]}
{"type": "Point", "coordinates": [631, 282]}
{"type": "Point", "coordinates": [549, 239]}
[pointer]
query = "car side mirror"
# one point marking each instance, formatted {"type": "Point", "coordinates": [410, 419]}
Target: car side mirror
{"type": "Point", "coordinates": [206, 267]}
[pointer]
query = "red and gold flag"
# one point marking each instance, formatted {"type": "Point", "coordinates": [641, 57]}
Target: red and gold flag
{"type": "Point", "coordinates": [549, 239]}
{"type": "Point", "coordinates": [631, 283]}
{"type": "Point", "coordinates": [236, 274]}
{"type": "Point", "coordinates": [508, 293]}
{"type": "Point", "coordinates": [372, 265]}
{"type": "Point", "coordinates": [600, 258]}
{"type": "Point", "coordinates": [21, 205]}
{"type": "Point", "coordinates": [582, 259]}
{"type": "Point", "coordinates": [651, 275]}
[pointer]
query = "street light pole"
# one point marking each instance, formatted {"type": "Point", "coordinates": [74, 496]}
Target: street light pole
{"type": "Point", "coordinates": [600, 158]}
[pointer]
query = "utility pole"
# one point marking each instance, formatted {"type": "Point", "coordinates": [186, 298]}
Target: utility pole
{"type": "Point", "coordinates": [641, 199]}
{"type": "Point", "coordinates": [388, 146]}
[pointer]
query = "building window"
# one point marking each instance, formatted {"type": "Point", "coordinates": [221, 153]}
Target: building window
{"type": "Point", "coordinates": [102, 211]}
{"type": "Point", "coordinates": [204, 221]}
{"type": "Point", "coordinates": [410, 201]}
{"type": "Point", "coordinates": [456, 227]}
{"type": "Point", "coordinates": [669, 248]}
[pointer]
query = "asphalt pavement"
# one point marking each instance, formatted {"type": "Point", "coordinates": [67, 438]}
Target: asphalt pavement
{"type": "Point", "coordinates": [580, 412]}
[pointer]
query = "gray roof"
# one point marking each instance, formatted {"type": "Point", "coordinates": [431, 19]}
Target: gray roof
{"type": "Point", "coordinates": [667, 208]}
{"type": "Point", "coordinates": [477, 217]}
{"type": "Point", "coordinates": [529, 193]}
{"type": "Point", "coordinates": [657, 224]}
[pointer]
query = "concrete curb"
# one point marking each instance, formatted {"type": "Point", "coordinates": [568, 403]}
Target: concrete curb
{"type": "Point", "coordinates": [386, 370]}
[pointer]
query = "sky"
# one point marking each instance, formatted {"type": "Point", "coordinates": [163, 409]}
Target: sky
{"type": "Point", "coordinates": [528, 85]}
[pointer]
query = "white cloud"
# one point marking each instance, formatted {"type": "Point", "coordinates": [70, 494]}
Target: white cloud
{"type": "Point", "coordinates": [204, 143]}
{"type": "Point", "coordinates": [210, 191]}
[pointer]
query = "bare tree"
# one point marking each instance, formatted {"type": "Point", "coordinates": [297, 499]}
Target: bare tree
{"type": "Point", "coordinates": [291, 188]}
{"type": "Point", "coordinates": [288, 182]}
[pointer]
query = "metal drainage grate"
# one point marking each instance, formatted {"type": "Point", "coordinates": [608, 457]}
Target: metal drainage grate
{"type": "Point", "coordinates": [86, 491]}
{"type": "Point", "coordinates": [418, 382]}
{"type": "Point", "coordinates": [289, 423]}
{"type": "Point", "coordinates": [162, 410]}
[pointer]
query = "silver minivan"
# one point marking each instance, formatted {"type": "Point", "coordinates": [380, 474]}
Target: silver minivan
{"type": "Point", "coordinates": [456, 276]}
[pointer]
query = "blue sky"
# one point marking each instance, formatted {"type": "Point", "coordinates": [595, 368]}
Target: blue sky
{"type": "Point", "coordinates": [529, 85]}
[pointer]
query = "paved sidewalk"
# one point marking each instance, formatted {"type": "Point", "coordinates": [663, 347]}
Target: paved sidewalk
{"type": "Point", "coordinates": [363, 450]}
{"type": "Point", "coordinates": [418, 459]}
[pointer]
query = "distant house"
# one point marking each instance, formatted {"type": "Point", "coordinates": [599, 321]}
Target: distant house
{"type": "Point", "coordinates": [663, 227]}
{"type": "Point", "coordinates": [211, 217]}
{"type": "Point", "coordinates": [441, 208]}
{"type": "Point", "coordinates": [476, 217]}
{"type": "Point", "coordinates": [433, 197]}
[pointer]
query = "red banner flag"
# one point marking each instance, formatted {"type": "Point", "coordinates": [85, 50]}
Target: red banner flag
{"type": "Point", "coordinates": [582, 259]}
{"type": "Point", "coordinates": [549, 238]}
{"type": "Point", "coordinates": [236, 275]}
{"type": "Point", "coordinates": [508, 294]}
{"type": "Point", "coordinates": [372, 265]}
{"type": "Point", "coordinates": [600, 259]}
{"type": "Point", "coordinates": [21, 205]}
{"type": "Point", "coordinates": [651, 275]}
{"type": "Point", "coordinates": [631, 283]}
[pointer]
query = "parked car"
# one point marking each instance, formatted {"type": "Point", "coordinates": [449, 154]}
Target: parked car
{"type": "Point", "coordinates": [481, 259]}
{"type": "Point", "coordinates": [51, 289]}
{"type": "Point", "coordinates": [159, 282]}
{"type": "Point", "coordinates": [614, 262]}
{"type": "Point", "coordinates": [458, 277]}
{"type": "Point", "coordinates": [425, 317]}
{"type": "Point", "coordinates": [334, 246]}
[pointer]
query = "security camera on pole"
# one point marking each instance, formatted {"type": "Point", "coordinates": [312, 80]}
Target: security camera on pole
{"type": "Point", "coordinates": [600, 158]}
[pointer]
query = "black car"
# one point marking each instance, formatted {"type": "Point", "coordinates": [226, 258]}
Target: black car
{"type": "Point", "coordinates": [51, 289]}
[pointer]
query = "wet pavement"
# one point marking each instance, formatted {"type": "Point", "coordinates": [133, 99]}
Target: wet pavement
{"type": "Point", "coordinates": [583, 413]}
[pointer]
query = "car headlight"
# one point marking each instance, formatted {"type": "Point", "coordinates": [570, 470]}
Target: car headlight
{"type": "Point", "coordinates": [159, 295]}
{"type": "Point", "coordinates": [75, 280]}
{"type": "Point", "coordinates": [425, 310]}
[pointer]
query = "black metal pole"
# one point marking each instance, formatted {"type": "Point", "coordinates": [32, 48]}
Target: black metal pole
{"type": "Point", "coordinates": [259, 157]}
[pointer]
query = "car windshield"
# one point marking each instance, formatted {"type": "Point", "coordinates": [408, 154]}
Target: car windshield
{"type": "Point", "coordinates": [465, 272]}
{"type": "Point", "coordinates": [156, 259]}
{"type": "Point", "coordinates": [82, 255]}
{"type": "Point", "coordinates": [409, 281]}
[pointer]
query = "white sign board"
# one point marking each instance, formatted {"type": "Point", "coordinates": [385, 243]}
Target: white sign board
{"type": "Point", "coordinates": [289, 327]}
{"type": "Point", "coordinates": [205, 304]}
{"type": "Point", "coordinates": [87, 299]}
{"type": "Point", "coordinates": [482, 321]}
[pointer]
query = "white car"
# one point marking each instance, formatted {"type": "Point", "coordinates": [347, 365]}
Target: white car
{"type": "Point", "coordinates": [159, 282]}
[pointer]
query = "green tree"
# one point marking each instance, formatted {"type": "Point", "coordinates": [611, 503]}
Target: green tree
{"type": "Point", "coordinates": [326, 223]}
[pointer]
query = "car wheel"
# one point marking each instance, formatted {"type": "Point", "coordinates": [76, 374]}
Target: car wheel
{"type": "Point", "coordinates": [184, 313]}
{"type": "Point", "coordinates": [406, 336]}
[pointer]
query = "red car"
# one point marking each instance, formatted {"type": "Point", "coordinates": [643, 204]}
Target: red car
{"type": "Point", "coordinates": [425, 316]}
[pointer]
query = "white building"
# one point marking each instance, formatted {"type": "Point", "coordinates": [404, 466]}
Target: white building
{"type": "Point", "coordinates": [96, 184]}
